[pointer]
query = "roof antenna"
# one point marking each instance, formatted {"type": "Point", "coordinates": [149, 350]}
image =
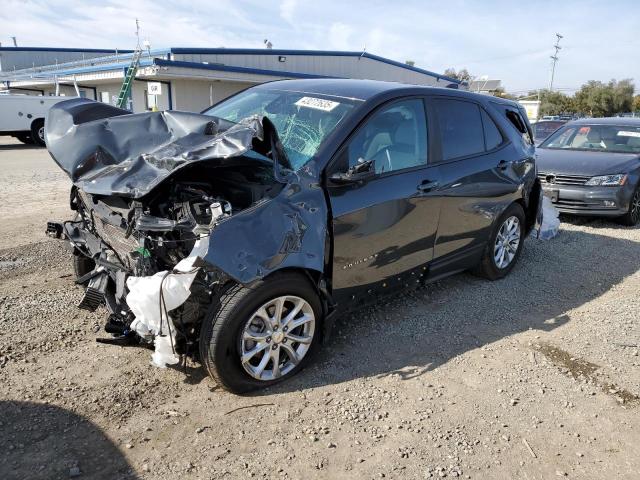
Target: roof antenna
{"type": "Point", "coordinates": [138, 47]}
{"type": "Point", "coordinates": [364, 50]}
{"type": "Point", "coordinates": [15, 42]}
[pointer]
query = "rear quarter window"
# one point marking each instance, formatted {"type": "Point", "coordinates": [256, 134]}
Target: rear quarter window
{"type": "Point", "coordinates": [492, 136]}
{"type": "Point", "coordinates": [516, 119]}
{"type": "Point", "coordinates": [460, 125]}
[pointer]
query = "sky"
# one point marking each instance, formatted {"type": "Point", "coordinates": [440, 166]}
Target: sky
{"type": "Point", "coordinates": [502, 39]}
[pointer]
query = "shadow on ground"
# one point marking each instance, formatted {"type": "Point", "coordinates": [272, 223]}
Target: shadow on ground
{"type": "Point", "coordinates": [594, 222]}
{"type": "Point", "coordinates": [39, 441]}
{"type": "Point", "coordinates": [19, 146]}
{"type": "Point", "coordinates": [422, 330]}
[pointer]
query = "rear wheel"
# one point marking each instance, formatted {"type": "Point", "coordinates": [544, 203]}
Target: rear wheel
{"type": "Point", "coordinates": [263, 334]}
{"type": "Point", "coordinates": [632, 217]}
{"type": "Point", "coordinates": [504, 246]}
{"type": "Point", "coordinates": [37, 132]}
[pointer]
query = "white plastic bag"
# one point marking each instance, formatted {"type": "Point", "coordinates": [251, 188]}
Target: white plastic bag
{"type": "Point", "coordinates": [550, 225]}
{"type": "Point", "coordinates": [145, 303]}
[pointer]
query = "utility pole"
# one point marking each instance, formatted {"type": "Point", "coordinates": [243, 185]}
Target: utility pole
{"type": "Point", "coordinates": [554, 59]}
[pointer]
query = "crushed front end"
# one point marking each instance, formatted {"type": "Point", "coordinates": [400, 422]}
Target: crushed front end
{"type": "Point", "coordinates": [149, 191]}
{"type": "Point", "coordinates": [116, 240]}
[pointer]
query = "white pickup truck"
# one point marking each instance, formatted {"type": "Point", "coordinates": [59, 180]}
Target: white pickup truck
{"type": "Point", "coordinates": [22, 116]}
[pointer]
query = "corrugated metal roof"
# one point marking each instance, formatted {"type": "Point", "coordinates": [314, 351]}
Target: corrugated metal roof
{"type": "Point", "coordinates": [229, 68]}
{"type": "Point", "coordinates": [318, 53]}
{"type": "Point", "coordinates": [234, 51]}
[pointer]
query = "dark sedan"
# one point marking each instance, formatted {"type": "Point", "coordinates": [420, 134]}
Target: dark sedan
{"type": "Point", "coordinates": [592, 167]}
{"type": "Point", "coordinates": [237, 235]}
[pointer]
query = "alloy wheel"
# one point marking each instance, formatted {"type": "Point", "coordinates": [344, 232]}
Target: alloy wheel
{"type": "Point", "coordinates": [507, 242]}
{"type": "Point", "coordinates": [277, 337]}
{"type": "Point", "coordinates": [635, 207]}
{"type": "Point", "coordinates": [41, 133]}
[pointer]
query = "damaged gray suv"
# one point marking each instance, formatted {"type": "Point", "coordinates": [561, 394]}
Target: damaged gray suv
{"type": "Point", "coordinates": [237, 235]}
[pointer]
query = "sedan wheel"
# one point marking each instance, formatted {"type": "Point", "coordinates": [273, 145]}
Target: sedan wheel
{"type": "Point", "coordinates": [507, 242]}
{"type": "Point", "coordinates": [635, 207]}
{"type": "Point", "coordinates": [277, 337]}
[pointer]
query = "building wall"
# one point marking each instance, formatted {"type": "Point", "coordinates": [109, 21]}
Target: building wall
{"type": "Point", "coordinates": [326, 65]}
{"type": "Point", "coordinates": [196, 95]}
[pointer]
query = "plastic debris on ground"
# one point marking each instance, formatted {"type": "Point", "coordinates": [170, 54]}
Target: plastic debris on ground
{"type": "Point", "coordinates": [550, 225]}
{"type": "Point", "coordinates": [151, 298]}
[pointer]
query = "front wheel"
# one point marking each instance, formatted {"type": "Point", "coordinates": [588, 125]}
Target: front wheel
{"type": "Point", "coordinates": [632, 217]}
{"type": "Point", "coordinates": [504, 245]}
{"type": "Point", "coordinates": [262, 334]}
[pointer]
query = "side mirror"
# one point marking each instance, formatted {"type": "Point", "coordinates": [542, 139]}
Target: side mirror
{"type": "Point", "coordinates": [363, 170]}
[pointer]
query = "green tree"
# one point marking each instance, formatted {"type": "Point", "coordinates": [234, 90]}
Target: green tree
{"type": "Point", "coordinates": [553, 103]}
{"type": "Point", "coordinates": [636, 103]}
{"type": "Point", "coordinates": [463, 75]}
{"type": "Point", "coordinates": [598, 99]}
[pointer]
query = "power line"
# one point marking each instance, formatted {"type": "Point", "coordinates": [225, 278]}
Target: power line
{"type": "Point", "coordinates": [554, 59]}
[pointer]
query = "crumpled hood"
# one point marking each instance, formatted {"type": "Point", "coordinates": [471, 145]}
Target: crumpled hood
{"type": "Point", "coordinates": [109, 151]}
{"type": "Point", "coordinates": [574, 162]}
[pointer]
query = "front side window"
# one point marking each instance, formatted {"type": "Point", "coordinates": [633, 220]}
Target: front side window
{"type": "Point", "coordinates": [395, 138]}
{"type": "Point", "coordinates": [598, 138]}
{"type": "Point", "coordinates": [303, 121]}
{"type": "Point", "coordinates": [460, 125]}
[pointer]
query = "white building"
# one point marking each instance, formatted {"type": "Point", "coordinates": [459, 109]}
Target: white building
{"type": "Point", "coordinates": [192, 78]}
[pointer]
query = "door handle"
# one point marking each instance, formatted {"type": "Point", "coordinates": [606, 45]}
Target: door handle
{"type": "Point", "coordinates": [427, 186]}
{"type": "Point", "coordinates": [502, 165]}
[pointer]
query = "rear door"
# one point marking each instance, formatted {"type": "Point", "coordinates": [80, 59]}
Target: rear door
{"type": "Point", "coordinates": [384, 228]}
{"type": "Point", "coordinates": [476, 180]}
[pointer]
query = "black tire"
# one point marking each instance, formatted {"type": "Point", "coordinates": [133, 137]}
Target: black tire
{"type": "Point", "coordinates": [37, 132]}
{"type": "Point", "coordinates": [221, 332]}
{"type": "Point", "coordinates": [488, 267]}
{"type": "Point", "coordinates": [632, 217]}
{"type": "Point", "coordinates": [82, 265]}
{"type": "Point", "coordinates": [25, 138]}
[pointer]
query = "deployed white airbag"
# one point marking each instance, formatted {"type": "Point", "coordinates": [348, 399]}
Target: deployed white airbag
{"type": "Point", "coordinates": [151, 311]}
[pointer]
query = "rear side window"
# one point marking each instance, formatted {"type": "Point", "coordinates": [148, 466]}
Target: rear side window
{"type": "Point", "coordinates": [519, 124]}
{"type": "Point", "coordinates": [460, 125]}
{"type": "Point", "coordinates": [492, 136]}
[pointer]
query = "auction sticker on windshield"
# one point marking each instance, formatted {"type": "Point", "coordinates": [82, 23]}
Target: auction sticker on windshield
{"type": "Point", "coordinates": [623, 133]}
{"type": "Point", "coordinates": [317, 103]}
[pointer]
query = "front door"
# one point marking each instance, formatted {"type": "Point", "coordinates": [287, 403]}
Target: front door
{"type": "Point", "coordinates": [384, 228]}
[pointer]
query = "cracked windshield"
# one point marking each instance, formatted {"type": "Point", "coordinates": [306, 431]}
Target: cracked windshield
{"type": "Point", "coordinates": [303, 121]}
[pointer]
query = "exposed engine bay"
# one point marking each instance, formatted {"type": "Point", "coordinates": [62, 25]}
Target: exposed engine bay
{"type": "Point", "coordinates": [116, 238]}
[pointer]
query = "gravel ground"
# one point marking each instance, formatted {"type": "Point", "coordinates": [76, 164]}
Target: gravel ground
{"type": "Point", "coordinates": [535, 376]}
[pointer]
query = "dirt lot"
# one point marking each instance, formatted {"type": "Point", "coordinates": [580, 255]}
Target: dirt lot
{"type": "Point", "coordinates": [532, 377]}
